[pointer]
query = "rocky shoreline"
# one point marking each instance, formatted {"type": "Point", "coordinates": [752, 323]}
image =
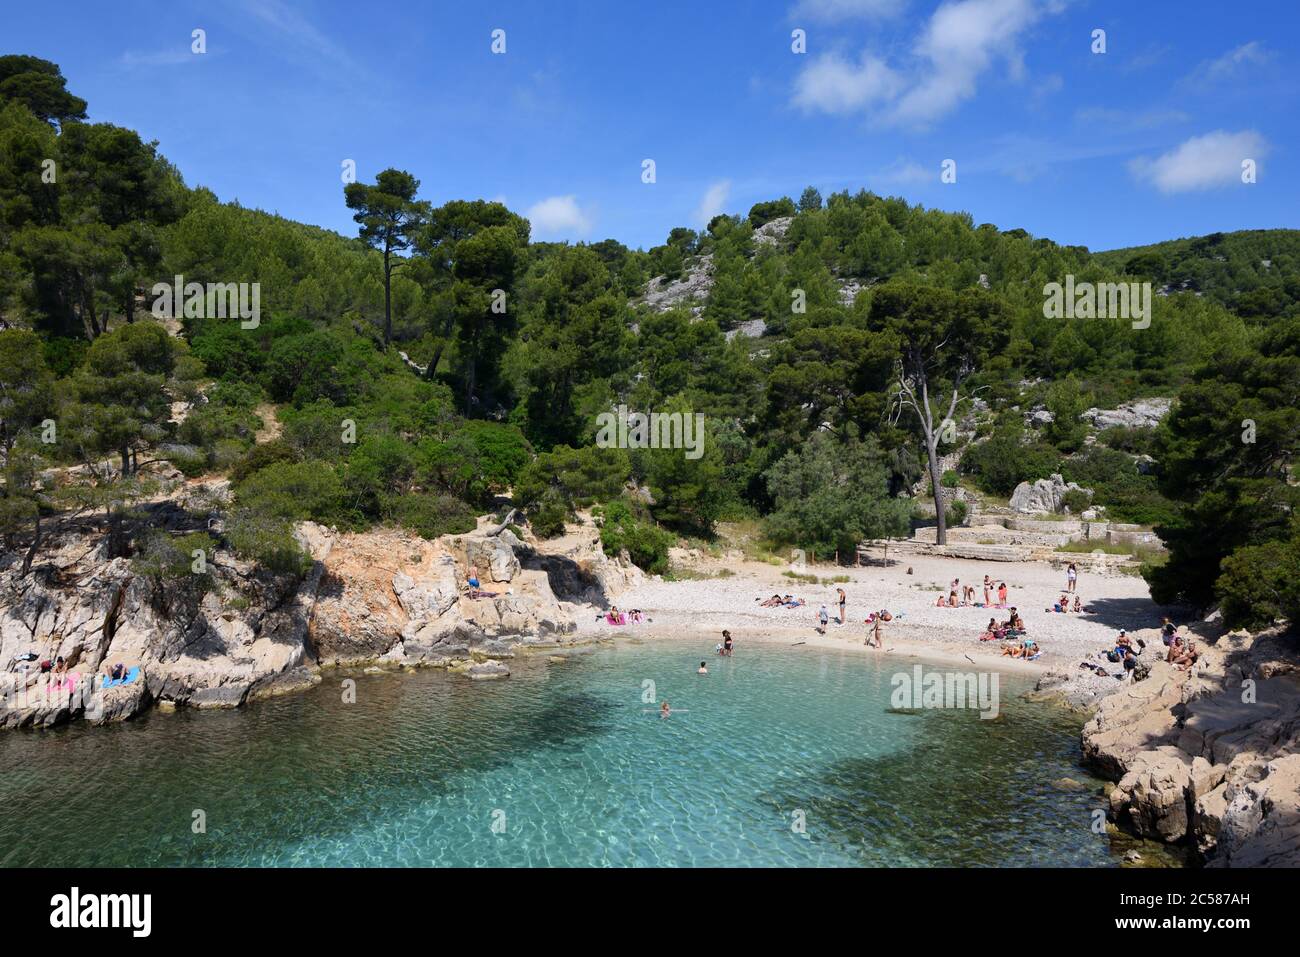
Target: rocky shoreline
{"type": "Point", "coordinates": [383, 598]}
{"type": "Point", "coordinates": [1205, 761]}
{"type": "Point", "coordinates": [1208, 759]}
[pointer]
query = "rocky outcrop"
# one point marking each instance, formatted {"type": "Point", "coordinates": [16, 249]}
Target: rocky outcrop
{"type": "Point", "coordinates": [200, 647]}
{"type": "Point", "coordinates": [691, 289]}
{"type": "Point", "coordinates": [1208, 757]}
{"type": "Point", "coordinates": [1138, 414]}
{"type": "Point", "coordinates": [494, 555]}
{"type": "Point", "coordinates": [1043, 497]}
{"type": "Point", "coordinates": [772, 232]}
{"type": "Point", "coordinates": [390, 595]}
{"type": "Point", "coordinates": [384, 596]}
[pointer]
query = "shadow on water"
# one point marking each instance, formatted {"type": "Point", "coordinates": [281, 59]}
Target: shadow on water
{"type": "Point", "coordinates": [898, 809]}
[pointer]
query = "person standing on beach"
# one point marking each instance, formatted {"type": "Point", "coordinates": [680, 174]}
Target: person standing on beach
{"type": "Point", "coordinates": [843, 601]}
{"type": "Point", "coordinates": [988, 587]}
{"type": "Point", "coordinates": [823, 618]}
{"type": "Point", "coordinates": [1071, 576]}
{"type": "Point", "coordinates": [1002, 594]}
{"type": "Point", "coordinates": [727, 645]}
{"type": "Point", "coordinates": [874, 631]}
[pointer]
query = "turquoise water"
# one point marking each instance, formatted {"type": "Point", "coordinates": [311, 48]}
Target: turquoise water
{"type": "Point", "coordinates": [572, 767]}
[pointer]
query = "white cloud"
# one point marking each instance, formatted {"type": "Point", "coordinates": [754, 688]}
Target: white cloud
{"type": "Point", "coordinates": [960, 42]}
{"type": "Point", "coordinates": [712, 202]}
{"type": "Point", "coordinates": [1231, 65]}
{"type": "Point", "coordinates": [832, 85]}
{"type": "Point", "coordinates": [906, 173]}
{"type": "Point", "coordinates": [1202, 162]}
{"type": "Point", "coordinates": [559, 215]}
{"type": "Point", "coordinates": [832, 11]}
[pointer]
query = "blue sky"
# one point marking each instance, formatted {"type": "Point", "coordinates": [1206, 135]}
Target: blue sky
{"type": "Point", "coordinates": [1140, 143]}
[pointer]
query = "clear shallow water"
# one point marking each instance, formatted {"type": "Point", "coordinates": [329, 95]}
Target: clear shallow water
{"type": "Point", "coordinates": [568, 759]}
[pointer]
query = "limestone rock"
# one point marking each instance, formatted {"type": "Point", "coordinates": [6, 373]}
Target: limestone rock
{"type": "Point", "coordinates": [493, 555]}
{"type": "Point", "coordinates": [693, 286]}
{"type": "Point", "coordinates": [1260, 826]}
{"type": "Point", "coordinates": [1138, 414]}
{"type": "Point", "coordinates": [1043, 497]}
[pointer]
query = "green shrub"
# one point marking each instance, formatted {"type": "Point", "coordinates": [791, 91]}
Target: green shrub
{"type": "Point", "coordinates": [1260, 583]}
{"type": "Point", "coordinates": [949, 479]}
{"type": "Point", "coordinates": [260, 456]}
{"type": "Point", "coordinates": [549, 518]}
{"type": "Point", "coordinates": [1136, 441]}
{"type": "Point", "coordinates": [579, 476]}
{"type": "Point", "coordinates": [175, 568]}
{"type": "Point", "coordinates": [1076, 500]}
{"type": "Point", "coordinates": [429, 515]}
{"type": "Point", "coordinates": [998, 465]}
{"type": "Point", "coordinates": [646, 545]}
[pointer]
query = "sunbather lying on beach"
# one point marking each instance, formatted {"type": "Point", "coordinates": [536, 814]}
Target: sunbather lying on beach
{"type": "Point", "coordinates": [771, 602]}
{"type": "Point", "coordinates": [1028, 649]}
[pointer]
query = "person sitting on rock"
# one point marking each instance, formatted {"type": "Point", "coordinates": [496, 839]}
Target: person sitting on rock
{"type": "Point", "coordinates": [1187, 655]}
{"type": "Point", "coordinates": [1167, 631]}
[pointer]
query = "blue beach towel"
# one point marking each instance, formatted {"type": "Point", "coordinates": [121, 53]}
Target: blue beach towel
{"type": "Point", "coordinates": [131, 675]}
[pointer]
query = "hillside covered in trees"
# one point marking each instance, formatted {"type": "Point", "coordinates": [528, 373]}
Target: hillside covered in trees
{"type": "Point", "coordinates": [440, 364]}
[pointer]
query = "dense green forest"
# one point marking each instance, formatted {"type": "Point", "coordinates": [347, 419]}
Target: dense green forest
{"type": "Point", "coordinates": [440, 364]}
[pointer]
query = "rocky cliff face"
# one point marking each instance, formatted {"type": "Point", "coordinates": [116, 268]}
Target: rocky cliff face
{"type": "Point", "coordinates": [380, 597]}
{"type": "Point", "coordinates": [1208, 758]}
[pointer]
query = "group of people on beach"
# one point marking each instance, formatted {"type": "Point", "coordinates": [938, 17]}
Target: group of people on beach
{"type": "Point", "coordinates": [1180, 651]}
{"type": "Point", "coordinates": [967, 593]}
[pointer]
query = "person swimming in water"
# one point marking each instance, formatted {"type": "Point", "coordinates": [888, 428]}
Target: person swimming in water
{"type": "Point", "coordinates": [703, 669]}
{"type": "Point", "coordinates": [664, 710]}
